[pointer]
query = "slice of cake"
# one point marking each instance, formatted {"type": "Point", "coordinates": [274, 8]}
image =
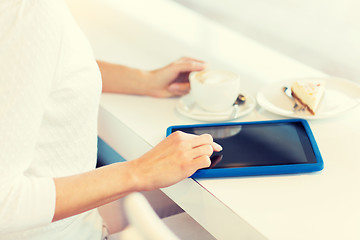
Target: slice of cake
{"type": "Point", "coordinates": [309, 93]}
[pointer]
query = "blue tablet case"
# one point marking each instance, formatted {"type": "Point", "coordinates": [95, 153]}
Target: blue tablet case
{"type": "Point", "coordinates": [259, 170]}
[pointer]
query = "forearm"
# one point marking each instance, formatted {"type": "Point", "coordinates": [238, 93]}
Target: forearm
{"type": "Point", "coordinates": [175, 158]}
{"type": "Point", "coordinates": [79, 193]}
{"type": "Point", "coordinates": [168, 81]}
{"type": "Point", "coordinates": [121, 79]}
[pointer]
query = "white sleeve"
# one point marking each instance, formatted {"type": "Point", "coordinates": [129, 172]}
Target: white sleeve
{"type": "Point", "coordinates": [29, 48]}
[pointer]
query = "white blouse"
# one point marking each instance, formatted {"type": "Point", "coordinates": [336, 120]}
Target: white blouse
{"type": "Point", "coordinates": [50, 88]}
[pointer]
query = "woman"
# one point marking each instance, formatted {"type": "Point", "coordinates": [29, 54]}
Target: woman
{"type": "Point", "coordinates": [50, 86]}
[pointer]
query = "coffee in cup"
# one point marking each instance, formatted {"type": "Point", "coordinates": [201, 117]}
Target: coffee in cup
{"type": "Point", "coordinates": [214, 90]}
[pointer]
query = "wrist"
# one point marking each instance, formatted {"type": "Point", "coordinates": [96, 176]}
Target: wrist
{"type": "Point", "coordinates": [134, 177]}
{"type": "Point", "coordinates": [145, 80]}
{"type": "Point", "coordinates": [121, 177]}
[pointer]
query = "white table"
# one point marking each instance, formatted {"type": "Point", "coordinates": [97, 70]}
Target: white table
{"type": "Point", "coordinates": [309, 206]}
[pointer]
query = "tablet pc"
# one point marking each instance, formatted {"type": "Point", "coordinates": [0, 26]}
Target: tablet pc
{"type": "Point", "coordinates": [259, 148]}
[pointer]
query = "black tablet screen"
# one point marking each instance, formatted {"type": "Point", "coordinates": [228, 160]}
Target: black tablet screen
{"type": "Point", "coordinates": [258, 144]}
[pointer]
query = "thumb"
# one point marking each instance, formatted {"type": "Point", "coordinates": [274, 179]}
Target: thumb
{"type": "Point", "coordinates": [179, 88]}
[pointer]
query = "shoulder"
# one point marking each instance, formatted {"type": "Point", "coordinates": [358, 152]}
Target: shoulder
{"type": "Point", "coordinates": [30, 38]}
{"type": "Point", "coordinates": [25, 16]}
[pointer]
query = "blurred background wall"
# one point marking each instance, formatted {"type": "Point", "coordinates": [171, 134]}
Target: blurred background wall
{"type": "Point", "coordinates": [324, 34]}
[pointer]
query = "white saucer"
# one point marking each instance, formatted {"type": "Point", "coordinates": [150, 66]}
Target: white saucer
{"type": "Point", "coordinates": [187, 107]}
{"type": "Point", "coordinates": [340, 96]}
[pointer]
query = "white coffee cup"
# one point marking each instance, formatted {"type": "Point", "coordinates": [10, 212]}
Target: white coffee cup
{"type": "Point", "coordinates": [214, 90]}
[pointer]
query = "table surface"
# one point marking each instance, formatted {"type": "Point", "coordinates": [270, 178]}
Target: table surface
{"type": "Point", "coordinates": [321, 205]}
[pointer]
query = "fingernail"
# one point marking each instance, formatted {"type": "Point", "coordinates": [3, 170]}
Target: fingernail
{"type": "Point", "coordinates": [200, 65]}
{"type": "Point", "coordinates": [218, 147]}
{"type": "Point", "coordinates": [173, 87]}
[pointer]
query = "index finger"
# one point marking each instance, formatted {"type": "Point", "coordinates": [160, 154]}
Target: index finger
{"type": "Point", "coordinates": [189, 66]}
{"type": "Point", "coordinates": [205, 139]}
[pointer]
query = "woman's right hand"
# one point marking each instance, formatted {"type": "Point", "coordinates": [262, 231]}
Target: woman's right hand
{"type": "Point", "coordinates": [175, 158]}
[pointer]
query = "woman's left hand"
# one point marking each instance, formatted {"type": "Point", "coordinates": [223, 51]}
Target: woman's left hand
{"type": "Point", "coordinates": [173, 79]}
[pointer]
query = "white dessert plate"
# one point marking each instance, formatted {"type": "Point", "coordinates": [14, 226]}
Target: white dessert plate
{"type": "Point", "coordinates": [187, 107]}
{"type": "Point", "coordinates": [340, 96]}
